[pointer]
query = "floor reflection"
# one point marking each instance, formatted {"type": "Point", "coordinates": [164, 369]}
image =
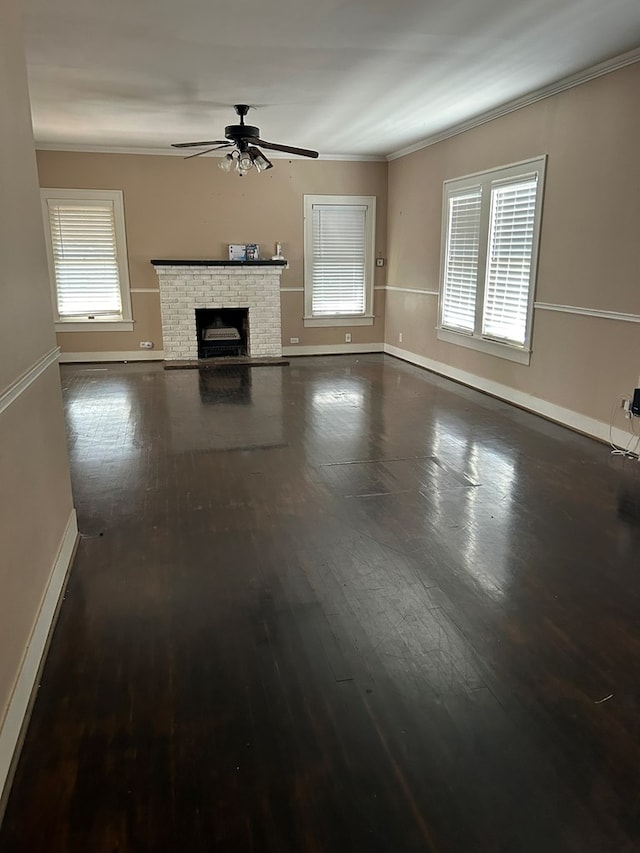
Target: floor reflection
{"type": "Point", "coordinates": [344, 402]}
{"type": "Point", "coordinates": [225, 385]}
{"type": "Point", "coordinates": [227, 408]}
{"type": "Point", "coordinates": [629, 504]}
{"type": "Point", "coordinates": [108, 415]}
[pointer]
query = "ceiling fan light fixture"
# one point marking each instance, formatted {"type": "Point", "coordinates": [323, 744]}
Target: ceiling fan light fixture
{"type": "Point", "coordinates": [226, 163]}
{"type": "Point", "coordinates": [244, 162]}
{"type": "Point", "coordinates": [261, 162]}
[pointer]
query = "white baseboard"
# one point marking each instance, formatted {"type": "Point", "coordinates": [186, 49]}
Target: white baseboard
{"type": "Point", "coordinates": [565, 417]}
{"type": "Point", "coordinates": [20, 703]}
{"type": "Point", "coordinates": [133, 355]}
{"type": "Point", "coordinates": [332, 349]}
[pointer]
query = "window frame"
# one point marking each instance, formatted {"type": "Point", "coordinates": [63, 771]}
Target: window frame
{"type": "Point", "coordinates": [487, 180]}
{"type": "Point", "coordinates": [122, 322]}
{"type": "Point", "coordinates": [366, 317]}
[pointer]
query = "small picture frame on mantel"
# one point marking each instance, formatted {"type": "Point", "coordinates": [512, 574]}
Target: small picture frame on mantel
{"type": "Point", "coordinates": [237, 252]}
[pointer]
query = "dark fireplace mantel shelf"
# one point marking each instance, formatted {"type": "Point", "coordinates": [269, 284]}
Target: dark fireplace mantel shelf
{"type": "Point", "coordinates": [216, 263]}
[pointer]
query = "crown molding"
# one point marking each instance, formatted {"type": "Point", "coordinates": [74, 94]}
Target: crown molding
{"type": "Point", "coordinates": [584, 76]}
{"type": "Point", "coordinates": [358, 158]}
{"type": "Point", "coordinates": [105, 149]}
{"type": "Point", "coordinates": [172, 152]}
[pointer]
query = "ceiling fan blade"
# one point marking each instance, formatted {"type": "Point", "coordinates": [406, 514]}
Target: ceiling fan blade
{"type": "Point", "coordinates": [206, 151]}
{"type": "Point", "coordinates": [288, 149]}
{"type": "Point", "coordinates": [199, 144]}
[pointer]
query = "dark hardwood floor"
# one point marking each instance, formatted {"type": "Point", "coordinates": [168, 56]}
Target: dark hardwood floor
{"type": "Point", "coordinates": [343, 605]}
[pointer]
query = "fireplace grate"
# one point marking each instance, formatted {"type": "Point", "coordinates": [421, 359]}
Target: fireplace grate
{"type": "Point", "coordinates": [217, 350]}
{"type": "Point", "coordinates": [216, 333]}
{"type": "Point", "coordinates": [218, 341]}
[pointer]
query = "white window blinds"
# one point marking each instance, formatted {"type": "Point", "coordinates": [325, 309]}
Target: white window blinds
{"type": "Point", "coordinates": [461, 260]}
{"type": "Point", "coordinates": [83, 245]}
{"type": "Point", "coordinates": [339, 248]}
{"type": "Point", "coordinates": [490, 237]}
{"type": "Point", "coordinates": [511, 236]}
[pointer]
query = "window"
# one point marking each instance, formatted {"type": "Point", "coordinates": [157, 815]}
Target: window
{"type": "Point", "coordinates": [87, 259]}
{"type": "Point", "coordinates": [338, 260]}
{"type": "Point", "coordinates": [491, 227]}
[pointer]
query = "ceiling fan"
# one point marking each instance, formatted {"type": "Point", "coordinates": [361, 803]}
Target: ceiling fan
{"type": "Point", "coordinates": [243, 139]}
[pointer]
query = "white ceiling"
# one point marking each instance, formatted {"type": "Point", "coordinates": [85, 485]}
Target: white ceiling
{"type": "Point", "coordinates": [359, 77]}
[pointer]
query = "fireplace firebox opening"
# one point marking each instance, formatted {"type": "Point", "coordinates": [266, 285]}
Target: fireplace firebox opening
{"type": "Point", "coordinates": [222, 332]}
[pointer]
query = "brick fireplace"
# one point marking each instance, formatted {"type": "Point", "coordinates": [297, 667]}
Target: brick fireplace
{"type": "Point", "coordinates": [188, 285]}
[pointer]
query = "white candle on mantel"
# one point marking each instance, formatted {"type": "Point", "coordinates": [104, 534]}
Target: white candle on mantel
{"type": "Point", "coordinates": [278, 255]}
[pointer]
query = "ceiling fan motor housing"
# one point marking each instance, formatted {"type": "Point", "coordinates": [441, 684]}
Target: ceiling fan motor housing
{"type": "Point", "coordinates": [234, 132]}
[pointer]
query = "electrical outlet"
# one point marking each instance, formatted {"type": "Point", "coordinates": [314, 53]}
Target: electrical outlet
{"type": "Point", "coordinates": [294, 340]}
{"type": "Point", "coordinates": [347, 338]}
{"type": "Point", "coordinates": [400, 337]}
{"type": "Point", "coordinates": [379, 262]}
{"type": "Point", "coordinates": [146, 344]}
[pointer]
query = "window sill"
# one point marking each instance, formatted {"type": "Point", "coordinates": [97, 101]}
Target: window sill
{"type": "Point", "coordinates": [508, 351]}
{"type": "Point", "coordinates": [94, 326]}
{"type": "Point", "coordinates": [339, 320]}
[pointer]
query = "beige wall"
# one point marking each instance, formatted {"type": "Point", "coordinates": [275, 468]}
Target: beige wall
{"type": "Point", "coordinates": [176, 208]}
{"type": "Point", "coordinates": [35, 493]}
{"type": "Point", "coordinates": [589, 256]}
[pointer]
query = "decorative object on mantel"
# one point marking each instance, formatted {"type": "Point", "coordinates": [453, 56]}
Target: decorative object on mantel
{"type": "Point", "coordinates": [278, 255]}
{"type": "Point", "coordinates": [244, 252]}
{"type": "Point", "coordinates": [244, 138]}
{"type": "Point", "coordinates": [237, 252]}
